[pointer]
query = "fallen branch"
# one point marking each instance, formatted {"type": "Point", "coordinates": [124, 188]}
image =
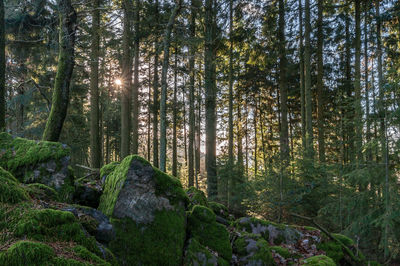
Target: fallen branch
{"type": "Point", "coordinates": [95, 170]}
{"type": "Point", "coordinates": [353, 259]}
{"type": "Point", "coordinates": [222, 221]}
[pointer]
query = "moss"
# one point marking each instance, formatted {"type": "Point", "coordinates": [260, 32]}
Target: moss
{"type": "Point", "coordinates": [258, 226]}
{"type": "Point", "coordinates": [253, 250]}
{"type": "Point", "coordinates": [219, 209]}
{"type": "Point", "coordinates": [108, 169]}
{"type": "Point", "coordinates": [61, 261]}
{"type": "Point", "coordinates": [165, 185]}
{"type": "Point", "coordinates": [17, 152]}
{"type": "Point", "coordinates": [208, 232]}
{"type": "Point", "coordinates": [27, 253]}
{"type": "Point", "coordinates": [319, 260]}
{"type": "Point", "coordinates": [41, 191]}
{"type": "Point", "coordinates": [197, 254]}
{"type": "Point", "coordinates": [332, 249]}
{"type": "Point", "coordinates": [85, 254]}
{"type": "Point", "coordinates": [344, 239]}
{"type": "Point", "coordinates": [196, 197]}
{"type": "Point", "coordinates": [284, 252]}
{"type": "Point", "coordinates": [159, 243]}
{"type": "Point", "coordinates": [10, 189]}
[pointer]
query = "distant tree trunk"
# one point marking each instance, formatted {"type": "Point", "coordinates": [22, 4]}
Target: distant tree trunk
{"type": "Point", "coordinates": [231, 159]}
{"type": "Point", "coordinates": [198, 133]}
{"type": "Point", "coordinates": [210, 91]}
{"type": "Point", "coordinates": [156, 104]}
{"type": "Point", "coordinates": [307, 88]}
{"type": "Point", "coordinates": [357, 87]}
{"type": "Point", "coordinates": [136, 85]}
{"type": "Point", "coordinates": [127, 81]}
{"type": "Point", "coordinates": [2, 70]}
{"type": "Point", "coordinates": [175, 117]}
{"type": "Point", "coordinates": [65, 67]}
{"type": "Point", "coordinates": [302, 92]}
{"type": "Point", "coordinates": [149, 117]}
{"type": "Point", "coordinates": [284, 135]}
{"type": "Point", "coordinates": [366, 72]}
{"type": "Point", "coordinates": [164, 73]}
{"type": "Point", "coordinates": [95, 145]}
{"type": "Point", "coordinates": [255, 137]}
{"type": "Point", "coordinates": [320, 83]}
{"type": "Point", "coordinates": [192, 30]}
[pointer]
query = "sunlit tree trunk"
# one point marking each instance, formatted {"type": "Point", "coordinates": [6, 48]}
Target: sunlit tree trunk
{"type": "Point", "coordinates": [357, 87]}
{"type": "Point", "coordinates": [320, 84]}
{"type": "Point", "coordinates": [95, 145]}
{"type": "Point", "coordinates": [175, 117]}
{"type": "Point", "coordinates": [156, 104]}
{"type": "Point", "coordinates": [135, 92]}
{"type": "Point", "coordinates": [301, 62]}
{"type": "Point", "coordinates": [65, 67]}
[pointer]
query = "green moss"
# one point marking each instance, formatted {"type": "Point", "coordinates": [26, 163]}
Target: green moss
{"type": "Point", "coordinates": [319, 260]}
{"type": "Point", "coordinates": [108, 169]}
{"type": "Point", "coordinates": [61, 261]}
{"type": "Point", "coordinates": [165, 185]}
{"type": "Point", "coordinates": [17, 152]}
{"type": "Point", "coordinates": [27, 253]}
{"type": "Point", "coordinates": [196, 197]}
{"type": "Point", "coordinates": [284, 252]}
{"type": "Point", "coordinates": [219, 209]}
{"type": "Point", "coordinates": [208, 232]}
{"type": "Point", "coordinates": [85, 254]}
{"type": "Point", "coordinates": [10, 189]}
{"type": "Point", "coordinates": [196, 254]}
{"type": "Point", "coordinates": [41, 191]}
{"type": "Point", "coordinates": [332, 249]}
{"type": "Point", "coordinates": [253, 249]}
{"type": "Point", "coordinates": [159, 243]}
{"type": "Point", "coordinates": [344, 239]}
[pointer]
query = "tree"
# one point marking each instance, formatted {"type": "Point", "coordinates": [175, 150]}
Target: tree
{"type": "Point", "coordinates": [65, 67]}
{"type": "Point", "coordinates": [156, 104]}
{"type": "Point", "coordinates": [320, 83]}
{"type": "Point", "coordinates": [95, 146]}
{"type": "Point", "coordinates": [357, 86]}
{"type": "Point", "coordinates": [163, 102]}
{"type": "Point", "coordinates": [136, 85]}
{"type": "Point", "coordinates": [307, 88]}
{"type": "Point", "coordinates": [2, 69]}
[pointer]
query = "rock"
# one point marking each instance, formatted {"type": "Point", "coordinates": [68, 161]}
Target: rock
{"type": "Point", "coordinates": [219, 209]}
{"type": "Point", "coordinates": [95, 222]}
{"type": "Point", "coordinates": [86, 195]}
{"type": "Point", "coordinates": [37, 162]}
{"type": "Point", "coordinates": [197, 254]}
{"type": "Point", "coordinates": [10, 189]}
{"type": "Point", "coordinates": [147, 210]}
{"type": "Point", "coordinates": [252, 249]}
{"type": "Point", "coordinates": [196, 197]}
{"type": "Point", "coordinates": [41, 192]}
{"type": "Point", "coordinates": [106, 170]}
{"type": "Point", "coordinates": [203, 227]}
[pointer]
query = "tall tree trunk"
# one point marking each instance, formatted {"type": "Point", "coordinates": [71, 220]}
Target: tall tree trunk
{"type": "Point", "coordinates": [284, 133]}
{"type": "Point", "coordinates": [65, 67]}
{"type": "Point", "coordinates": [302, 92]}
{"type": "Point", "coordinates": [2, 70]}
{"type": "Point", "coordinates": [366, 72]}
{"type": "Point", "coordinates": [210, 91]}
{"type": "Point", "coordinates": [307, 88]}
{"type": "Point", "coordinates": [255, 137]}
{"type": "Point", "coordinates": [149, 117]}
{"type": "Point", "coordinates": [164, 84]}
{"type": "Point", "coordinates": [127, 81]}
{"type": "Point", "coordinates": [136, 85]}
{"type": "Point", "coordinates": [156, 104]}
{"type": "Point", "coordinates": [198, 133]}
{"type": "Point", "coordinates": [320, 83]}
{"type": "Point", "coordinates": [231, 159]}
{"type": "Point", "coordinates": [192, 30]}
{"type": "Point", "coordinates": [175, 117]}
{"type": "Point", "coordinates": [357, 86]}
{"type": "Point", "coordinates": [95, 145]}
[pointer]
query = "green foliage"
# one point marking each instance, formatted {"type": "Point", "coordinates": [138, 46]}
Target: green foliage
{"type": "Point", "coordinates": [10, 189]}
{"type": "Point", "coordinates": [108, 169]}
{"type": "Point", "coordinates": [254, 249]}
{"type": "Point", "coordinates": [196, 197]}
{"type": "Point", "coordinates": [27, 253]}
{"type": "Point", "coordinates": [85, 254]}
{"type": "Point", "coordinates": [319, 260]}
{"type": "Point", "coordinates": [41, 192]}
{"type": "Point", "coordinates": [219, 209]}
{"type": "Point", "coordinates": [198, 254]}
{"type": "Point", "coordinates": [203, 227]}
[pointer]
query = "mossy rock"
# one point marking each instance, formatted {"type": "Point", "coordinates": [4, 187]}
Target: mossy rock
{"type": "Point", "coordinates": [284, 252]}
{"type": "Point", "coordinates": [197, 254]}
{"type": "Point", "coordinates": [252, 249]}
{"type": "Point", "coordinates": [204, 228]}
{"type": "Point", "coordinates": [147, 208]}
{"type": "Point", "coordinates": [196, 197]}
{"type": "Point", "coordinates": [10, 189]}
{"type": "Point", "coordinates": [42, 192]}
{"type": "Point", "coordinates": [219, 209]}
{"type": "Point", "coordinates": [27, 253]}
{"type": "Point", "coordinates": [107, 169]}
{"type": "Point", "coordinates": [272, 232]}
{"type": "Point", "coordinates": [320, 260]}
{"type": "Point", "coordinates": [37, 162]}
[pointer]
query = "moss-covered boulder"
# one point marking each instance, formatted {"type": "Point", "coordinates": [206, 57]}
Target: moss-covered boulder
{"type": "Point", "coordinates": [37, 162]}
{"type": "Point", "coordinates": [219, 209]}
{"type": "Point", "coordinates": [147, 208]}
{"type": "Point", "coordinates": [320, 260]}
{"type": "Point", "coordinates": [41, 192]}
{"type": "Point", "coordinates": [252, 249]}
{"type": "Point", "coordinates": [275, 234]}
{"type": "Point", "coordinates": [197, 254]}
{"type": "Point", "coordinates": [203, 227]}
{"type": "Point", "coordinates": [196, 197]}
{"type": "Point", "coordinates": [106, 170]}
{"type": "Point", "coordinates": [10, 189]}
{"type": "Point", "coordinates": [335, 251]}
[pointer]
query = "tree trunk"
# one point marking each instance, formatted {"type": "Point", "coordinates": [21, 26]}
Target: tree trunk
{"type": "Point", "coordinates": [149, 117]}
{"type": "Point", "coordinates": [284, 135]}
{"type": "Point", "coordinates": [65, 67]}
{"type": "Point", "coordinates": [2, 70]}
{"type": "Point", "coordinates": [210, 104]}
{"type": "Point", "coordinates": [164, 84]}
{"type": "Point", "coordinates": [175, 117]}
{"type": "Point", "coordinates": [307, 88]}
{"type": "Point", "coordinates": [357, 87]}
{"type": "Point", "coordinates": [135, 94]}
{"type": "Point", "coordinates": [320, 84]}
{"type": "Point", "coordinates": [366, 72]}
{"type": "Point", "coordinates": [302, 92]}
{"type": "Point", "coordinates": [156, 104]}
{"type": "Point", "coordinates": [95, 145]}
{"type": "Point", "coordinates": [126, 82]}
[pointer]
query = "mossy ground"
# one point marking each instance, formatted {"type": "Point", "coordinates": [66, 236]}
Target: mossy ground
{"type": "Point", "coordinates": [320, 260]}
{"type": "Point", "coordinates": [10, 189]}
{"type": "Point", "coordinates": [42, 192]}
{"type": "Point", "coordinates": [253, 249]}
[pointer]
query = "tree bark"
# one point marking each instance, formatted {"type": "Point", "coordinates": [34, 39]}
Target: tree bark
{"type": "Point", "coordinates": [366, 72]}
{"type": "Point", "coordinates": [320, 83]}
{"type": "Point", "coordinates": [231, 159]}
{"type": "Point", "coordinates": [156, 104]}
{"type": "Point", "coordinates": [175, 117]}
{"type": "Point", "coordinates": [307, 88]}
{"type": "Point", "coordinates": [163, 102]}
{"type": "Point", "coordinates": [2, 70]}
{"type": "Point", "coordinates": [65, 67]}
{"type": "Point", "coordinates": [302, 93]}
{"type": "Point", "coordinates": [95, 144]}
{"type": "Point", "coordinates": [136, 85]}
{"type": "Point", "coordinates": [357, 86]}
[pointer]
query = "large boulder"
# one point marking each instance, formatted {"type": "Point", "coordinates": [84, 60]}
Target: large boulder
{"type": "Point", "coordinates": [147, 209]}
{"type": "Point", "coordinates": [37, 162]}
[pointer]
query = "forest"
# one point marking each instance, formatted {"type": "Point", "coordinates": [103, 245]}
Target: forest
{"type": "Point", "coordinates": [282, 110]}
